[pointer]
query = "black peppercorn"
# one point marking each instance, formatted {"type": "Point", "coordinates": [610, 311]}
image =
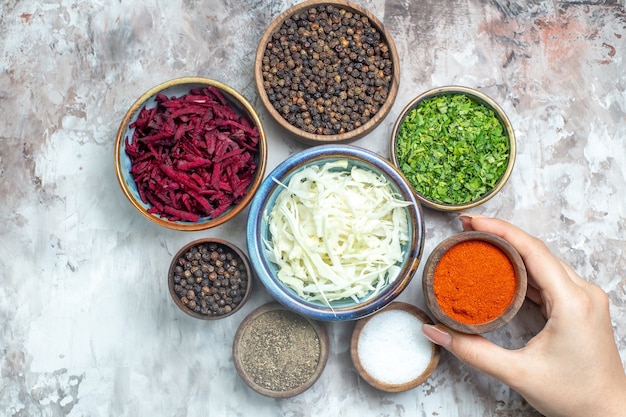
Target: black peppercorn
{"type": "Point", "coordinates": [210, 279]}
{"type": "Point", "coordinates": [335, 50]}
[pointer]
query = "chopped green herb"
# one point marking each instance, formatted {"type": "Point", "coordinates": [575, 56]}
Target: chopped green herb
{"type": "Point", "coordinates": [452, 149]}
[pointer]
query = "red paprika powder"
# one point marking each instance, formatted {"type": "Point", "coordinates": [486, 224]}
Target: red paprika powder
{"type": "Point", "coordinates": [474, 282]}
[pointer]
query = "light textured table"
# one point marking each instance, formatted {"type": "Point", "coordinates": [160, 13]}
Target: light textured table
{"type": "Point", "coordinates": [87, 327]}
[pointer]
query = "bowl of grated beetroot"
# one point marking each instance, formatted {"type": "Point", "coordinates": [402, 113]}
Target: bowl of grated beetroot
{"type": "Point", "coordinates": [190, 153]}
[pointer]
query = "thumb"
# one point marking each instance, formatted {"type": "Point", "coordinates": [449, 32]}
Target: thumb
{"type": "Point", "coordinates": [475, 351]}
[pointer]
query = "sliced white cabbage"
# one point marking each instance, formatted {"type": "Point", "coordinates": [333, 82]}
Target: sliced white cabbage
{"type": "Point", "coordinates": [337, 233]}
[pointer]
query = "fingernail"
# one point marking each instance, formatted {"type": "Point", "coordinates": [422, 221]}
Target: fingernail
{"type": "Point", "coordinates": [470, 216]}
{"type": "Point", "coordinates": [436, 335]}
{"type": "Point", "coordinates": [465, 219]}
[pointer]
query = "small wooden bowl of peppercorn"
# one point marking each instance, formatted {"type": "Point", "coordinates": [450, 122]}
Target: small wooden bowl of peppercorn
{"type": "Point", "coordinates": [210, 278]}
{"type": "Point", "coordinates": [474, 282]}
{"type": "Point", "coordinates": [327, 71]}
{"type": "Point", "coordinates": [455, 145]}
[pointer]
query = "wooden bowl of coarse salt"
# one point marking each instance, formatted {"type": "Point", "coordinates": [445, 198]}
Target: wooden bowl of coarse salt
{"type": "Point", "coordinates": [389, 350]}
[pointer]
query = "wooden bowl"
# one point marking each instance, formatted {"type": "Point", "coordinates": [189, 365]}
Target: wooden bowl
{"type": "Point", "coordinates": [184, 259]}
{"type": "Point", "coordinates": [277, 340]}
{"type": "Point", "coordinates": [180, 87]}
{"type": "Point", "coordinates": [267, 91]}
{"type": "Point", "coordinates": [511, 309]}
{"type": "Point", "coordinates": [403, 359]}
{"type": "Point", "coordinates": [476, 96]}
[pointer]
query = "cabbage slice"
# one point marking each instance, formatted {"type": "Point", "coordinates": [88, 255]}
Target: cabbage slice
{"type": "Point", "coordinates": [337, 232]}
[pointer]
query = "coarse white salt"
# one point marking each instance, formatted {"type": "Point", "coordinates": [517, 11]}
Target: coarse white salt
{"type": "Point", "coordinates": [392, 347]}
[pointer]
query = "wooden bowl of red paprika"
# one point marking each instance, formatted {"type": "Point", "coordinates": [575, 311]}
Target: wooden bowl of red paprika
{"type": "Point", "coordinates": [474, 282]}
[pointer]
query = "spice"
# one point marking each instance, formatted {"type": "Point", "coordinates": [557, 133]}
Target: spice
{"type": "Point", "coordinates": [280, 350]}
{"type": "Point", "coordinates": [392, 348]}
{"type": "Point", "coordinates": [210, 279]}
{"type": "Point", "coordinates": [327, 70]}
{"type": "Point", "coordinates": [192, 156]}
{"type": "Point", "coordinates": [452, 149]}
{"type": "Point", "coordinates": [474, 282]}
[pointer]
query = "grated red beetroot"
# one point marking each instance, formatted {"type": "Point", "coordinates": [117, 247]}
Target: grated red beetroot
{"type": "Point", "coordinates": [192, 156]}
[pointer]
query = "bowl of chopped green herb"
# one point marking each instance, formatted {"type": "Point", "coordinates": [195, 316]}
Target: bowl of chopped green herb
{"type": "Point", "coordinates": [456, 147]}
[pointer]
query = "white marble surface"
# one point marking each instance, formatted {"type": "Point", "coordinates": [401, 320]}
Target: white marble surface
{"type": "Point", "coordinates": [87, 327]}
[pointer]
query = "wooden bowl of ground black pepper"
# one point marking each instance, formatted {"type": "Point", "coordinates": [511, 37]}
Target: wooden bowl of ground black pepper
{"type": "Point", "coordinates": [210, 278]}
{"type": "Point", "coordinates": [278, 352]}
{"type": "Point", "coordinates": [328, 72]}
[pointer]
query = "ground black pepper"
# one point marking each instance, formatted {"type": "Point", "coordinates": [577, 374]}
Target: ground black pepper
{"type": "Point", "coordinates": [210, 279]}
{"type": "Point", "coordinates": [327, 70]}
{"type": "Point", "coordinates": [280, 350]}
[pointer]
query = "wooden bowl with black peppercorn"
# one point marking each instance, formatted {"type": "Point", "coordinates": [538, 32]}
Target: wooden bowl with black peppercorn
{"type": "Point", "coordinates": [210, 278]}
{"type": "Point", "coordinates": [328, 72]}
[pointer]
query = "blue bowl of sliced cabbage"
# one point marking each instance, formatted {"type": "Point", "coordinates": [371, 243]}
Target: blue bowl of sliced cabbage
{"type": "Point", "coordinates": [335, 232]}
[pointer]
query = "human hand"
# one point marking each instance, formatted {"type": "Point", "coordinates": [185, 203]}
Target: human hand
{"type": "Point", "coordinates": [572, 366]}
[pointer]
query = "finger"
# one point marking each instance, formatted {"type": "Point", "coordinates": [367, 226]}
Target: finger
{"type": "Point", "coordinates": [596, 293]}
{"type": "Point", "coordinates": [534, 295]}
{"type": "Point", "coordinates": [548, 273]}
{"type": "Point", "coordinates": [466, 220]}
{"type": "Point", "coordinates": [573, 275]}
{"type": "Point", "coordinates": [475, 351]}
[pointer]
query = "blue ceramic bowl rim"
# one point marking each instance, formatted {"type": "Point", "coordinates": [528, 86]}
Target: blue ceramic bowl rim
{"type": "Point", "coordinates": [265, 197]}
{"type": "Point", "coordinates": [178, 87]}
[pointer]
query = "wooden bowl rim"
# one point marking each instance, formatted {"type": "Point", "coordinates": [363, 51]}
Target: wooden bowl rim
{"type": "Point", "coordinates": [521, 281]}
{"type": "Point", "coordinates": [361, 131]}
{"type": "Point", "coordinates": [385, 386]}
{"type": "Point", "coordinates": [262, 154]}
{"type": "Point", "coordinates": [500, 114]}
{"type": "Point", "coordinates": [230, 246]}
{"type": "Point", "coordinates": [319, 329]}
